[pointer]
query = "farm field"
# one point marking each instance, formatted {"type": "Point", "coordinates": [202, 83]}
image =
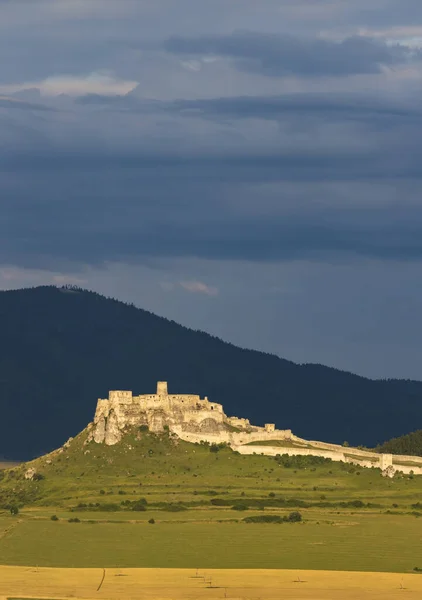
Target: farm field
{"type": "Point", "coordinates": [324, 540]}
{"type": "Point", "coordinates": [197, 498]}
{"type": "Point", "coordinates": [186, 584]}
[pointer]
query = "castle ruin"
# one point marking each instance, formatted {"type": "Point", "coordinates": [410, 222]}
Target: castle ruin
{"type": "Point", "coordinates": [195, 419]}
{"type": "Point", "coordinates": [182, 414]}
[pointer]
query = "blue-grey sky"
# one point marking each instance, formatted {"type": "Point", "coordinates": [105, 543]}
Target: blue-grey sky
{"type": "Point", "coordinates": [252, 169]}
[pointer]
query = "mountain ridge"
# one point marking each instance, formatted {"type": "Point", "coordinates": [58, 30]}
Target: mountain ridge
{"type": "Point", "coordinates": [63, 348]}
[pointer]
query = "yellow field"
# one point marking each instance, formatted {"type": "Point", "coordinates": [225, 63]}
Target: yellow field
{"type": "Point", "coordinates": [186, 584]}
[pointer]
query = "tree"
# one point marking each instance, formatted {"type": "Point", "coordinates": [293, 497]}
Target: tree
{"type": "Point", "coordinates": [294, 517]}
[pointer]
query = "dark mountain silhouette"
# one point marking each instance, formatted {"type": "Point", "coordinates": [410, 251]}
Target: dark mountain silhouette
{"type": "Point", "coordinates": [63, 348]}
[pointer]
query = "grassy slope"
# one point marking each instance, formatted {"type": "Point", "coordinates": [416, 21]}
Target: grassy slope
{"type": "Point", "coordinates": [164, 471]}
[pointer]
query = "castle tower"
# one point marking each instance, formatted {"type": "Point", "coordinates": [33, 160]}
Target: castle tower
{"type": "Point", "coordinates": [162, 388]}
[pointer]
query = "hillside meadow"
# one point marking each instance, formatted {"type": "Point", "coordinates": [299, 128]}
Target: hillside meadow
{"type": "Point", "coordinates": [155, 501]}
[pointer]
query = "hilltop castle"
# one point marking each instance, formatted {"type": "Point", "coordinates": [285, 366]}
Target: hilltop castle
{"type": "Point", "coordinates": [196, 419]}
{"type": "Point", "coordinates": [180, 413]}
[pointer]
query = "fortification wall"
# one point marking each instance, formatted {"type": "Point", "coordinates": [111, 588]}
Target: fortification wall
{"type": "Point", "coordinates": [197, 416]}
{"type": "Point", "coordinates": [238, 422]}
{"type": "Point", "coordinates": [197, 438]}
{"type": "Point", "coordinates": [234, 439]}
{"type": "Point", "coordinates": [364, 454]}
{"type": "Point", "coordinates": [120, 396]}
{"type": "Point", "coordinates": [415, 460]}
{"type": "Point", "coordinates": [260, 436]}
{"type": "Point", "coordinates": [277, 450]}
{"type": "Point", "coordinates": [383, 461]}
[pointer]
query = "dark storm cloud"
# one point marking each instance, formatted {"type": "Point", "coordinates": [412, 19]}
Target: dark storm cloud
{"type": "Point", "coordinates": [166, 194]}
{"type": "Point", "coordinates": [331, 106]}
{"type": "Point", "coordinates": [279, 55]}
{"type": "Point", "coordinates": [85, 221]}
{"type": "Point", "coordinates": [125, 177]}
{"type": "Point", "coordinates": [374, 112]}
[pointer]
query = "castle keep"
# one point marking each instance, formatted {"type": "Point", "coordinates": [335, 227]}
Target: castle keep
{"type": "Point", "coordinates": [195, 419]}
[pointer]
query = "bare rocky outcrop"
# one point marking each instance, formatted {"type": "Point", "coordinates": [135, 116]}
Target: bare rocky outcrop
{"type": "Point", "coordinates": [30, 474]}
{"type": "Point", "coordinates": [390, 471]}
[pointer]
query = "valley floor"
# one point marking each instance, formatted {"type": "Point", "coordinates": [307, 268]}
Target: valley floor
{"type": "Point", "coordinates": [186, 584]}
{"type": "Point", "coordinates": [214, 539]}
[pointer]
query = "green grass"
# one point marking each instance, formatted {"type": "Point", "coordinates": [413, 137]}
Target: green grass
{"type": "Point", "coordinates": [165, 471]}
{"type": "Point", "coordinates": [323, 541]}
{"type": "Point", "coordinates": [162, 470]}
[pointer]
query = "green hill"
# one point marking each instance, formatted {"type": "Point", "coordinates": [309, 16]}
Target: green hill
{"type": "Point", "coordinates": [155, 501]}
{"type": "Point", "coordinates": [169, 470]}
{"type": "Point", "coordinates": [63, 348]}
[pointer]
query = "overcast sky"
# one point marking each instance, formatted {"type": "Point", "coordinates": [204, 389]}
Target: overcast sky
{"type": "Point", "coordinates": [252, 169]}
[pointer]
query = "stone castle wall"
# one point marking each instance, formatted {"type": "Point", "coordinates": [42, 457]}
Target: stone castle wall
{"type": "Point", "coordinates": [194, 420]}
{"type": "Point", "coordinates": [383, 462]}
{"type": "Point", "coordinates": [232, 438]}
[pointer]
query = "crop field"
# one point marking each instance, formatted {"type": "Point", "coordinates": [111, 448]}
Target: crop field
{"type": "Point", "coordinates": [182, 584]}
{"type": "Point", "coordinates": [213, 540]}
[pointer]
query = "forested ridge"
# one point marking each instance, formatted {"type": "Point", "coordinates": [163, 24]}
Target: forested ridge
{"type": "Point", "coordinates": [410, 443]}
{"type": "Point", "coordinates": [64, 348]}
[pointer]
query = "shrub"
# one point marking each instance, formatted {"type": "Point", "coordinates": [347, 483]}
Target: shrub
{"type": "Point", "coordinates": [354, 504]}
{"type": "Point", "coordinates": [38, 477]}
{"type": "Point", "coordinates": [294, 517]}
{"type": "Point", "coordinates": [14, 510]}
{"type": "Point", "coordinates": [102, 492]}
{"type": "Point", "coordinates": [143, 428]}
{"type": "Point", "coordinates": [74, 520]}
{"type": "Point", "coordinates": [214, 448]}
{"type": "Point", "coordinates": [54, 518]}
{"type": "Point", "coordinates": [139, 506]}
{"type": "Point", "coordinates": [301, 462]}
{"type": "Point", "coordinates": [152, 521]}
{"type": "Point", "coordinates": [271, 495]}
{"type": "Point", "coordinates": [240, 506]}
{"type": "Point", "coordinates": [109, 507]}
{"type": "Point", "coordinates": [263, 519]}
{"type": "Point", "coordinates": [174, 507]}
{"type": "Point", "coordinates": [219, 502]}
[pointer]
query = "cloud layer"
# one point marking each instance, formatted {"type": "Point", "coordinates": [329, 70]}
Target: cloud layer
{"type": "Point", "coordinates": [241, 137]}
{"type": "Point", "coordinates": [281, 55]}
